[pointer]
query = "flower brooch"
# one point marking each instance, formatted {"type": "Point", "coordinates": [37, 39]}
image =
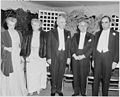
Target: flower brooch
{"type": "Point", "coordinates": [114, 34]}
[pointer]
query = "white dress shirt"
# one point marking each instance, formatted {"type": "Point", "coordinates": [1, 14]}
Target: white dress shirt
{"type": "Point", "coordinates": [103, 41]}
{"type": "Point", "coordinates": [61, 39]}
{"type": "Point", "coordinates": [81, 40]}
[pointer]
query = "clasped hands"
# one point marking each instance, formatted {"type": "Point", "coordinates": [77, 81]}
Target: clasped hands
{"type": "Point", "coordinates": [79, 57]}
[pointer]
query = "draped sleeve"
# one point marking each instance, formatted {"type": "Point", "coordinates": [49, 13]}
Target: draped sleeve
{"type": "Point", "coordinates": [6, 64]}
{"type": "Point", "coordinates": [43, 40]}
{"type": "Point", "coordinates": [26, 45]}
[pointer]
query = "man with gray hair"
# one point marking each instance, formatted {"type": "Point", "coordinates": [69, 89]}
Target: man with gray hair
{"type": "Point", "coordinates": [58, 53]}
{"type": "Point", "coordinates": [81, 49]}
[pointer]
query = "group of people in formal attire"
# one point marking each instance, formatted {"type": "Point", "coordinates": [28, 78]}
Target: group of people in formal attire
{"type": "Point", "coordinates": [17, 50]}
{"type": "Point", "coordinates": [57, 48]}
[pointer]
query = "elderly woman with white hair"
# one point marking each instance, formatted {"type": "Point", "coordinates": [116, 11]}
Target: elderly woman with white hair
{"type": "Point", "coordinates": [12, 68]}
{"type": "Point", "coordinates": [35, 53]}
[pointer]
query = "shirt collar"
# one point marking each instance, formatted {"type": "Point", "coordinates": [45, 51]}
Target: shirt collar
{"type": "Point", "coordinates": [108, 30]}
{"type": "Point", "coordinates": [82, 33]}
{"type": "Point", "coordinates": [60, 29]}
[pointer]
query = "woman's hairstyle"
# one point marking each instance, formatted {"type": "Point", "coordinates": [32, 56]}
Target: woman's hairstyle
{"type": "Point", "coordinates": [10, 19]}
{"type": "Point", "coordinates": [34, 20]}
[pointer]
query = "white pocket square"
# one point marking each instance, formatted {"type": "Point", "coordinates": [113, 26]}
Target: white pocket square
{"type": "Point", "coordinates": [68, 37]}
{"type": "Point", "coordinates": [89, 40]}
{"type": "Point", "coordinates": [114, 34]}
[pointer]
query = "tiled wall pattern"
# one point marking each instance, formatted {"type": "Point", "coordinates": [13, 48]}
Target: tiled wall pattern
{"type": "Point", "coordinates": [115, 23]}
{"type": "Point", "coordinates": [48, 18]}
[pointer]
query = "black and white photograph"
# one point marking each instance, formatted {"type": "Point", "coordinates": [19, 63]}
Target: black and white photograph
{"type": "Point", "coordinates": [60, 48]}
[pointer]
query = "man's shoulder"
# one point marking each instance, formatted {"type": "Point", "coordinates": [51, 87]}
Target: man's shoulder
{"type": "Point", "coordinates": [67, 32]}
{"type": "Point", "coordinates": [76, 34]}
{"type": "Point", "coordinates": [114, 31]}
{"type": "Point", "coordinates": [52, 30]}
{"type": "Point", "coordinates": [98, 33]}
{"type": "Point", "coordinates": [90, 34]}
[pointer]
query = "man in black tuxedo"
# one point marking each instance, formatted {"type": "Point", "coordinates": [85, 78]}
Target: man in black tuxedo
{"type": "Point", "coordinates": [58, 53]}
{"type": "Point", "coordinates": [81, 48]}
{"type": "Point", "coordinates": [106, 56]}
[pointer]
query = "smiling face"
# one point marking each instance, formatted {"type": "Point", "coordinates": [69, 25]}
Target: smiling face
{"type": "Point", "coordinates": [11, 22]}
{"type": "Point", "coordinates": [105, 23]}
{"type": "Point", "coordinates": [36, 24]}
{"type": "Point", "coordinates": [83, 26]}
{"type": "Point", "coordinates": [11, 25]}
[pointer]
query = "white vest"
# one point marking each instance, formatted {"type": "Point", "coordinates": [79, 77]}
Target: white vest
{"type": "Point", "coordinates": [103, 41]}
{"type": "Point", "coordinates": [61, 39]}
{"type": "Point", "coordinates": [81, 40]}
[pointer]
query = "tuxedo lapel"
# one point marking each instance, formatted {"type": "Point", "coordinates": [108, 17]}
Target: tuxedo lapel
{"type": "Point", "coordinates": [65, 35]}
{"type": "Point", "coordinates": [56, 35]}
{"type": "Point", "coordinates": [55, 32]}
{"type": "Point", "coordinates": [97, 37]}
{"type": "Point", "coordinates": [78, 38]}
{"type": "Point", "coordinates": [86, 39]}
{"type": "Point", "coordinates": [110, 38]}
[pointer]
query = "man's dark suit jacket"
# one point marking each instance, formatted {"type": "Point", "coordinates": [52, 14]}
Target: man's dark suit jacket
{"type": "Point", "coordinates": [53, 44]}
{"type": "Point", "coordinates": [113, 44]}
{"type": "Point", "coordinates": [88, 44]}
{"type": "Point", "coordinates": [81, 68]}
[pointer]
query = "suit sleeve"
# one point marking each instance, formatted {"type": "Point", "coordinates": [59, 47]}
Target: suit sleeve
{"type": "Point", "coordinates": [116, 49]}
{"type": "Point", "coordinates": [48, 48]}
{"type": "Point", "coordinates": [73, 43]}
{"type": "Point", "coordinates": [2, 44]}
{"type": "Point", "coordinates": [69, 44]}
{"type": "Point", "coordinates": [94, 45]}
{"type": "Point", "coordinates": [90, 48]}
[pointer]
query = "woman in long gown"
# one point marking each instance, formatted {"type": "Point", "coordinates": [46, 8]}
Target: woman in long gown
{"type": "Point", "coordinates": [35, 50]}
{"type": "Point", "coordinates": [12, 68]}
